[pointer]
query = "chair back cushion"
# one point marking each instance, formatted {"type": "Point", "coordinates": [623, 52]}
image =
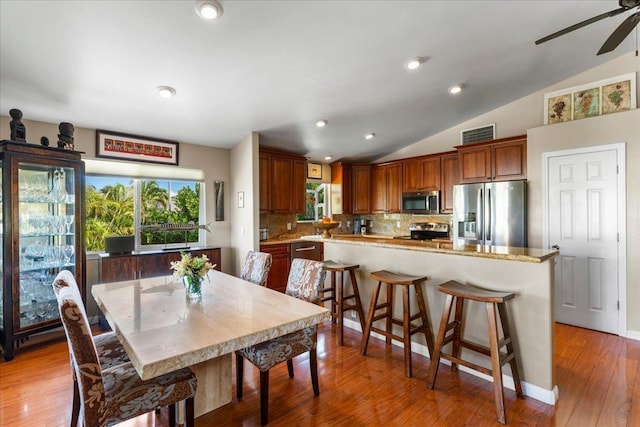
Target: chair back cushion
{"type": "Point", "coordinates": [256, 268]}
{"type": "Point", "coordinates": [305, 279]}
{"type": "Point", "coordinates": [87, 365]}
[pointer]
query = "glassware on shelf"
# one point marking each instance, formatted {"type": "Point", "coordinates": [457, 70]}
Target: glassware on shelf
{"type": "Point", "coordinates": [68, 251]}
{"type": "Point", "coordinates": [68, 221]}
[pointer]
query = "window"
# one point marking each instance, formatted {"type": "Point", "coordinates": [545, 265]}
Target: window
{"type": "Point", "coordinates": [119, 206]}
{"type": "Point", "coordinates": [316, 202]}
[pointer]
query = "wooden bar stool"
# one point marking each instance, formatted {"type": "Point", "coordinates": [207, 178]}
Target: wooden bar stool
{"type": "Point", "coordinates": [493, 300]}
{"type": "Point", "coordinates": [391, 279]}
{"type": "Point", "coordinates": [337, 297]}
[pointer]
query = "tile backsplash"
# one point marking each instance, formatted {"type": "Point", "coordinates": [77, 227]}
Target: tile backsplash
{"type": "Point", "coordinates": [386, 224]}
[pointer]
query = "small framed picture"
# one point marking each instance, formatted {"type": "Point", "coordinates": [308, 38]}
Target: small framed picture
{"type": "Point", "coordinates": [314, 170]}
{"type": "Point", "coordinates": [241, 199]}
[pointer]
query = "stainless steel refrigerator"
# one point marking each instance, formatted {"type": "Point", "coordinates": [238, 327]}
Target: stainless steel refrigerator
{"type": "Point", "coordinates": [493, 213]}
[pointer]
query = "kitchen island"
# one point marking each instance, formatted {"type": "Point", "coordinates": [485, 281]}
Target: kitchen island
{"type": "Point", "coordinates": [527, 272]}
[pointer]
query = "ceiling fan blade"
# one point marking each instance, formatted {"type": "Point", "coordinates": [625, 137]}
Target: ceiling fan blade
{"type": "Point", "coordinates": [620, 33]}
{"type": "Point", "coordinates": [581, 24]}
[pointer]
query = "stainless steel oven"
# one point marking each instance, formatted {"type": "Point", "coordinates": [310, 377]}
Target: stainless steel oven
{"type": "Point", "coordinates": [421, 202]}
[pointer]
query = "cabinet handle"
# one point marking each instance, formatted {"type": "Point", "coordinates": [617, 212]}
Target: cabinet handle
{"type": "Point", "coordinates": [310, 248]}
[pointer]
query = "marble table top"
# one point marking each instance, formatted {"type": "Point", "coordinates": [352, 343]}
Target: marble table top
{"type": "Point", "coordinates": [162, 331]}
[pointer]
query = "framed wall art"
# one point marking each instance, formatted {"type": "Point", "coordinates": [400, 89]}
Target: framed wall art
{"type": "Point", "coordinates": [314, 170]}
{"type": "Point", "coordinates": [135, 148]}
{"type": "Point", "coordinates": [593, 99]}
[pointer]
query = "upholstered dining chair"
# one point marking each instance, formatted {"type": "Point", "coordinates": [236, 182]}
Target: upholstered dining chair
{"type": "Point", "coordinates": [304, 282]}
{"type": "Point", "coordinates": [256, 268]}
{"type": "Point", "coordinates": [110, 351]}
{"type": "Point", "coordinates": [115, 394]}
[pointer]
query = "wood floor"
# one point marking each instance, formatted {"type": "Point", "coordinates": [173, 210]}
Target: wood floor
{"type": "Point", "coordinates": [597, 374]}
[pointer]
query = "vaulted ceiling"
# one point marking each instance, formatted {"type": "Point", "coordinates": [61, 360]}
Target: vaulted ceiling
{"type": "Point", "coordinates": [277, 67]}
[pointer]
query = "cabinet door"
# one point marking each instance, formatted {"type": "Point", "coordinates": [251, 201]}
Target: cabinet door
{"type": "Point", "coordinates": [509, 161]}
{"type": "Point", "coordinates": [118, 268]}
{"type": "Point", "coordinates": [394, 187]}
{"type": "Point", "coordinates": [280, 265]}
{"type": "Point", "coordinates": [156, 265]}
{"type": "Point", "coordinates": [411, 175]}
{"type": "Point", "coordinates": [299, 185]}
{"type": "Point", "coordinates": [341, 188]}
{"type": "Point", "coordinates": [474, 164]}
{"type": "Point", "coordinates": [449, 169]}
{"type": "Point", "coordinates": [361, 189]}
{"type": "Point", "coordinates": [378, 189]}
{"type": "Point", "coordinates": [282, 179]}
{"type": "Point", "coordinates": [265, 182]}
{"type": "Point", "coordinates": [213, 255]}
{"type": "Point", "coordinates": [430, 167]}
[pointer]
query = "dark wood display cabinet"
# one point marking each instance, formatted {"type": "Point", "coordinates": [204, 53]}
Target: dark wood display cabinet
{"type": "Point", "coordinates": [282, 182]}
{"type": "Point", "coordinates": [42, 233]}
{"type": "Point", "coordinates": [140, 265]}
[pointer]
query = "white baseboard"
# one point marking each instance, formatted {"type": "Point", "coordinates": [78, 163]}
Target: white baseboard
{"type": "Point", "coordinates": [633, 335]}
{"type": "Point", "coordinates": [549, 397]}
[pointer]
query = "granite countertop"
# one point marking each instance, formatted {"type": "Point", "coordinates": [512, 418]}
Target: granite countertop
{"type": "Point", "coordinates": [535, 255]}
{"type": "Point", "coordinates": [293, 238]}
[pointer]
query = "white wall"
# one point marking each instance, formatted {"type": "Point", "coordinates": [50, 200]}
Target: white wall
{"type": "Point", "coordinates": [244, 177]}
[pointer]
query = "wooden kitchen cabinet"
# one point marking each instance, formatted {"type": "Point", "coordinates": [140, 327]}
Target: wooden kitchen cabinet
{"type": "Point", "coordinates": [281, 256]}
{"type": "Point", "coordinates": [264, 164]}
{"type": "Point", "coordinates": [280, 265]}
{"type": "Point", "coordinates": [386, 188]}
{"type": "Point", "coordinates": [448, 178]}
{"type": "Point", "coordinates": [421, 174]}
{"type": "Point", "coordinates": [361, 176]}
{"type": "Point", "coordinates": [140, 265]}
{"type": "Point", "coordinates": [499, 160]}
{"type": "Point", "coordinates": [282, 182]}
{"type": "Point", "coordinates": [341, 188]}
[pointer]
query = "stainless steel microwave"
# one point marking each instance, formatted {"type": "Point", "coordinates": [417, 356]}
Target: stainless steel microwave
{"type": "Point", "coordinates": [421, 202]}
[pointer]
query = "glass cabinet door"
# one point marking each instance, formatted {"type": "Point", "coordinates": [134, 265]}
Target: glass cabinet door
{"type": "Point", "coordinates": [1, 251]}
{"type": "Point", "coordinates": [46, 238]}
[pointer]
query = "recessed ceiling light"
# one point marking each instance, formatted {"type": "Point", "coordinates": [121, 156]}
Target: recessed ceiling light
{"type": "Point", "coordinates": [370, 135]}
{"type": "Point", "coordinates": [321, 123]}
{"type": "Point", "coordinates": [453, 90]}
{"type": "Point", "coordinates": [327, 157]}
{"type": "Point", "coordinates": [414, 63]}
{"type": "Point", "coordinates": [166, 91]}
{"type": "Point", "coordinates": [208, 9]}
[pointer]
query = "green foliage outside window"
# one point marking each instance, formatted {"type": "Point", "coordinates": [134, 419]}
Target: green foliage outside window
{"type": "Point", "coordinates": [314, 202]}
{"type": "Point", "coordinates": [111, 211]}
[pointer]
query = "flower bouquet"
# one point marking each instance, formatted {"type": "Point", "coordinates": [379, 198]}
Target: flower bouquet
{"type": "Point", "coordinates": [191, 270]}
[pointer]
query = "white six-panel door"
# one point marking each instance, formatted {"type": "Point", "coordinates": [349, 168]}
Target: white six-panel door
{"type": "Point", "coordinates": [583, 218]}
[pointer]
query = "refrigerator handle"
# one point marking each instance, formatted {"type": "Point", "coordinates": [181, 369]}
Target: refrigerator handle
{"type": "Point", "coordinates": [479, 216]}
{"type": "Point", "coordinates": [488, 218]}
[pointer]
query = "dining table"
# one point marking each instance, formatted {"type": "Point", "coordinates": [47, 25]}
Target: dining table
{"type": "Point", "coordinates": [162, 330]}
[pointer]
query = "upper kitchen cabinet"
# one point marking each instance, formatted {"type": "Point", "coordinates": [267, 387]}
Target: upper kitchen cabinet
{"type": "Point", "coordinates": [341, 188]}
{"type": "Point", "coordinates": [448, 178]}
{"type": "Point", "coordinates": [282, 182]}
{"type": "Point", "coordinates": [386, 188]}
{"type": "Point", "coordinates": [421, 174]}
{"type": "Point", "coordinates": [499, 160]}
{"type": "Point", "coordinates": [361, 178]}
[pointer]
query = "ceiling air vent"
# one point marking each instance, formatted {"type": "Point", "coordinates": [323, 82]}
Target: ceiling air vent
{"type": "Point", "coordinates": [479, 134]}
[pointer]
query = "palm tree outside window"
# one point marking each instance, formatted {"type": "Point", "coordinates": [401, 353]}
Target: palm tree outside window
{"type": "Point", "coordinates": [119, 206]}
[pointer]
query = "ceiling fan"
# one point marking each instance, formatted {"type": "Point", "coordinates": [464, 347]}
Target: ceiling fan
{"type": "Point", "coordinates": [619, 33]}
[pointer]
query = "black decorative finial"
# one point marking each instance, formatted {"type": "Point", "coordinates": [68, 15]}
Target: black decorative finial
{"type": "Point", "coordinates": [18, 131]}
{"type": "Point", "coordinates": [44, 141]}
{"type": "Point", "coordinates": [65, 137]}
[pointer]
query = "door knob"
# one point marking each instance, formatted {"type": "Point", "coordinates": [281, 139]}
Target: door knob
{"type": "Point", "coordinates": [556, 247]}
